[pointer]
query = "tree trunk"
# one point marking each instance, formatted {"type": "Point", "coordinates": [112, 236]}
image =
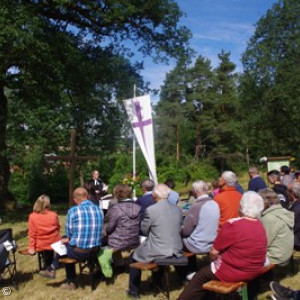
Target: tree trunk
{"type": "Point", "coordinates": [177, 144]}
{"type": "Point", "coordinates": [198, 143]}
{"type": "Point", "coordinates": [4, 166]}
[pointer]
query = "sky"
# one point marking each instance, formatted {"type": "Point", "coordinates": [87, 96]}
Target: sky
{"type": "Point", "coordinates": [215, 25]}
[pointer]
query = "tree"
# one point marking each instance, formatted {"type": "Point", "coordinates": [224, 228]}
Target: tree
{"type": "Point", "coordinates": [37, 38]}
{"type": "Point", "coordinates": [225, 136]}
{"type": "Point", "coordinates": [270, 83]}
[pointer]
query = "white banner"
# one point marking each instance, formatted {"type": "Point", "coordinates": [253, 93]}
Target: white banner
{"type": "Point", "coordinates": [139, 112]}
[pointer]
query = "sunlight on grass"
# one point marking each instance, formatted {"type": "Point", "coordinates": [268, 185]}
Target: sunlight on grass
{"type": "Point", "coordinates": [32, 286]}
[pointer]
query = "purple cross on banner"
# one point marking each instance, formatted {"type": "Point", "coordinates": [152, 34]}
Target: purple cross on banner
{"type": "Point", "coordinates": [140, 123]}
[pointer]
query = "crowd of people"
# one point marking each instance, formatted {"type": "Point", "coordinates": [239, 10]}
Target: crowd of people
{"type": "Point", "coordinates": [241, 231]}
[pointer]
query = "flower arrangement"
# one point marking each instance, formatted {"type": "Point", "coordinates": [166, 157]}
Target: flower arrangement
{"type": "Point", "coordinates": [129, 180]}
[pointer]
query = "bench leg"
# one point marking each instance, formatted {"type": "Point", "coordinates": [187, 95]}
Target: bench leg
{"type": "Point", "coordinates": [244, 292]}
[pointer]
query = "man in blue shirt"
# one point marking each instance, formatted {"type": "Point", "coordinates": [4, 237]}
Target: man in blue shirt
{"type": "Point", "coordinates": [83, 234]}
{"type": "Point", "coordinates": [147, 199]}
{"type": "Point", "coordinates": [256, 183]}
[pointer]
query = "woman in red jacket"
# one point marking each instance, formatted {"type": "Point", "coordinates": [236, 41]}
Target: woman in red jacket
{"type": "Point", "coordinates": [43, 229]}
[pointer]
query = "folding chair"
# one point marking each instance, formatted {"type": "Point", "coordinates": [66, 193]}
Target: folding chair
{"type": "Point", "coordinates": [7, 256]}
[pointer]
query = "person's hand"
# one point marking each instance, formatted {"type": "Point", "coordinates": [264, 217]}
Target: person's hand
{"type": "Point", "coordinates": [213, 254]}
{"type": "Point", "coordinates": [65, 240]}
{"type": "Point", "coordinates": [31, 251]}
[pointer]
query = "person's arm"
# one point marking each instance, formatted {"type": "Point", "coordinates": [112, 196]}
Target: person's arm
{"type": "Point", "coordinates": [146, 223]}
{"type": "Point", "coordinates": [213, 254]}
{"type": "Point", "coordinates": [111, 219]}
{"type": "Point", "coordinates": [225, 238]}
{"type": "Point", "coordinates": [190, 221]}
{"type": "Point", "coordinates": [270, 227]}
{"type": "Point", "coordinates": [31, 235]}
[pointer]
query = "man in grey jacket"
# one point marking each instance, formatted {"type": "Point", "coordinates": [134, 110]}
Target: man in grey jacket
{"type": "Point", "coordinates": [161, 225]}
{"type": "Point", "coordinates": [201, 223]}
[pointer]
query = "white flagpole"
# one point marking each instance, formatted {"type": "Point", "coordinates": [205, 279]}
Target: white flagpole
{"type": "Point", "coordinates": [133, 153]}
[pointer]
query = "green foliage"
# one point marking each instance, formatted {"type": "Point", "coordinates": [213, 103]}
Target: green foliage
{"type": "Point", "coordinates": [65, 64]}
{"type": "Point", "coordinates": [198, 112]}
{"type": "Point", "coordinates": [270, 83]}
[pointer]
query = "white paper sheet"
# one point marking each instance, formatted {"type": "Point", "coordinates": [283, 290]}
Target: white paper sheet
{"type": "Point", "coordinates": [59, 248]}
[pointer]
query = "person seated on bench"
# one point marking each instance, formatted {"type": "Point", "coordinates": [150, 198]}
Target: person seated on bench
{"type": "Point", "coordinates": [294, 195]}
{"type": "Point", "coordinates": [83, 234]}
{"type": "Point", "coordinates": [43, 230]}
{"type": "Point", "coordinates": [161, 225]}
{"type": "Point", "coordinates": [201, 223]}
{"type": "Point", "coordinates": [239, 251]}
{"type": "Point", "coordinates": [279, 224]}
{"type": "Point", "coordinates": [122, 221]}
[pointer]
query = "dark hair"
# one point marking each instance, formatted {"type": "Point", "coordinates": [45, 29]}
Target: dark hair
{"type": "Point", "coordinates": [122, 191]}
{"type": "Point", "coordinates": [170, 183]}
{"type": "Point", "coordinates": [285, 169]}
{"type": "Point", "coordinates": [148, 185]}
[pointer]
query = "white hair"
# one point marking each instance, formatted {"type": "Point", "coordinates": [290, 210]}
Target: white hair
{"type": "Point", "coordinates": [252, 204]}
{"type": "Point", "coordinates": [161, 191]}
{"type": "Point", "coordinates": [296, 189]}
{"type": "Point", "coordinates": [200, 186]}
{"type": "Point", "coordinates": [229, 177]}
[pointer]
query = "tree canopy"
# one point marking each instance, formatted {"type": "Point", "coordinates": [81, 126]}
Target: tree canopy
{"type": "Point", "coordinates": [66, 64]}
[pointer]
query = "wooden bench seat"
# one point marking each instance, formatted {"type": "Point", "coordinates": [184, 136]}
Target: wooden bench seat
{"type": "Point", "coordinates": [222, 287]}
{"type": "Point", "coordinates": [40, 256]}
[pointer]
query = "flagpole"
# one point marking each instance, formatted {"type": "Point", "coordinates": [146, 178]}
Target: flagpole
{"type": "Point", "coordinates": [133, 154]}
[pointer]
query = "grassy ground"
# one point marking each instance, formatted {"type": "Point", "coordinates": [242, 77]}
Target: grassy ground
{"type": "Point", "coordinates": [33, 286]}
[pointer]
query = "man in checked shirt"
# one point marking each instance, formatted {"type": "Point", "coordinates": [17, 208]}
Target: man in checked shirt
{"type": "Point", "coordinates": [83, 234]}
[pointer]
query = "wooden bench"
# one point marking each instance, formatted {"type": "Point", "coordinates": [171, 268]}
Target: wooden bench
{"type": "Point", "coordinates": [90, 263]}
{"type": "Point", "coordinates": [40, 256]}
{"type": "Point", "coordinates": [153, 267]}
{"type": "Point", "coordinates": [221, 287]}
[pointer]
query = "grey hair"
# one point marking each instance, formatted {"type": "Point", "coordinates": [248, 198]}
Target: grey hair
{"type": "Point", "coordinates": [229, 177]}
{"type": "Point", "coordinates": [296, 189]}
{"type": "Point", "coordinates": [200, 186]}
{"type": "Point", "coordinates": [253, 170]}
{"type": "Point", "coordinates": [252, 204]}
{"type": "Point", "coordinates": [161, 191]}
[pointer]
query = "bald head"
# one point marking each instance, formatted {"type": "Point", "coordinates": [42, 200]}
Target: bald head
{"type": "Point", "coordinates": [160, 192]}
{"type": "Point", "coordinates": [80, 194]}
{"type": "Point", "coordinates": [253, 172]}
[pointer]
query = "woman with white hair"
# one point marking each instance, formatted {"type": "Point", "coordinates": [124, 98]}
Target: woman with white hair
{"type": "Point", "coordinates": [239, 251]}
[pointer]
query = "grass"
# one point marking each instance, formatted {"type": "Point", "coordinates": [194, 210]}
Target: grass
{"type": "Point", "coordinates": [32, 286]}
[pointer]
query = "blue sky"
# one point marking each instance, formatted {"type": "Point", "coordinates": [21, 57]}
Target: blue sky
{"type": "Point", "coordinates": [215, 25]}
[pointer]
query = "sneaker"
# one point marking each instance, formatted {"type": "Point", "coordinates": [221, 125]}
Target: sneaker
{"type": "Point", "coordinates": [47, 274]}
{"type": "Point", "coordinates": [281, 291]}
{"type": "Point", "coordinates": [68, 286]}
{"type": "Point", "coordinates": [133, 295]}
{"type": "Point", "coordinates": [276, 297]}
{"type": "Point", "coordinates": [190, 276]}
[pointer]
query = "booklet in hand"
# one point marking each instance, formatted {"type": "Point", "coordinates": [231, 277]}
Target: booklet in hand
{"type": "Point", "coordinates": [59, 248]}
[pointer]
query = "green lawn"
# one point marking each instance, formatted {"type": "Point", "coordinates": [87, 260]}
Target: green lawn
{"type": "Point", "coordinates": [33, 286]}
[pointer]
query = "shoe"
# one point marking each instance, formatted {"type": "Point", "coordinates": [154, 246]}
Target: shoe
{"type": "Point", "coordinates": [69, 286]}
{"type": "Point", "coordinates": [133, 295]}
{"type": "Point", "coordinates": [276, 297]}
{"type": "Point", "coordinates": [281, 291]}
{"type": "Point", "coordinates": [47, 274]}
{"type": "Point", "coordinates": [190, 276]}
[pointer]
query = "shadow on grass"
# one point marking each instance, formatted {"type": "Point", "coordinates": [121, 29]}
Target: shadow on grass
{"type": "Point", "coordinates": [20, 278]}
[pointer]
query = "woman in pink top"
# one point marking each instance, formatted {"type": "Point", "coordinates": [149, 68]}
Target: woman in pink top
{"type": "Point", "coordinates": [43, 229]}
